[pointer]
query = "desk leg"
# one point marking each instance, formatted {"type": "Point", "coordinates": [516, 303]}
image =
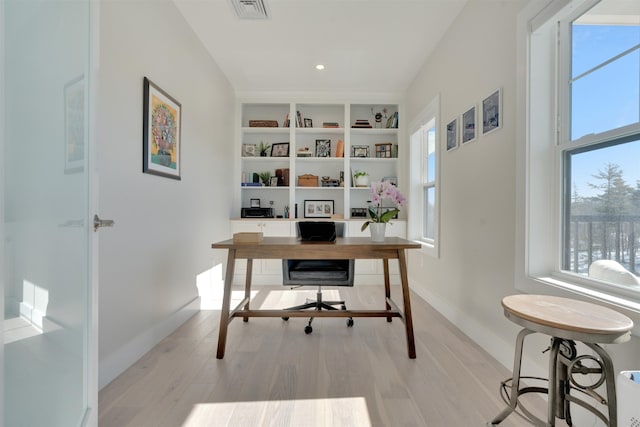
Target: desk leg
{"type": "Point", "coordinates": [387, 285]}
{"type": "Point", "coordinates": [226, 302]}
{"type": "Point", "coordinates": [247, 286]}
{"type": "Point", "coordinates": [408, 319]}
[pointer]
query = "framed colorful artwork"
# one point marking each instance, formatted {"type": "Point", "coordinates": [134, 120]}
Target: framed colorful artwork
{"type": "Point", "coordinates": [162, 117]}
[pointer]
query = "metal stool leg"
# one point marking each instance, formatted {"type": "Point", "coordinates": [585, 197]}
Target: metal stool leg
{"type": "Point", "coordinates": [554, 383]}
{"type": "Point", "coordinates": [610, 382]}
{"type": "Point", "coordinates": [515, 383]}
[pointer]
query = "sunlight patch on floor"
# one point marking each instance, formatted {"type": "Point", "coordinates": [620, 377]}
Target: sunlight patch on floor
{"type": "Point", "coordinates": [335, 412]}
{"type": "Point", "coordinates": [18, 328]}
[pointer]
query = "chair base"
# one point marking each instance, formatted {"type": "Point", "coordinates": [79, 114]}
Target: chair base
{"type": "Point", "coordinates": [319, 304]}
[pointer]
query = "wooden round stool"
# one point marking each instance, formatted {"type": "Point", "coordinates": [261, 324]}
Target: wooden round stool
{"type": "Point", "coordinates": [566, 320]}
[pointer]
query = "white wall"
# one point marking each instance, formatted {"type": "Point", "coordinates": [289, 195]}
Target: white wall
{"type": "Point", "coordinates": [164, 228]}
{"type": "Point", "coordinates": [477, 222]}
{"type": "Point", "coordinates": [478, 187]}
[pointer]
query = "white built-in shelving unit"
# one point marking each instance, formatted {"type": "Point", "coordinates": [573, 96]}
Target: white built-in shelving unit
{"type": "Point", "coordinates": [345, 115]}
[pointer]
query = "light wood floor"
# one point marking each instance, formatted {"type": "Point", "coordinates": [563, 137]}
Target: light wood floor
{"type": "Point", "coordinates": [273, 374]}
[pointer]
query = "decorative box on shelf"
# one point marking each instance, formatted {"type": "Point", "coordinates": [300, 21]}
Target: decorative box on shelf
{"type": "Point", "coordinates": [307, 180]}
{"type": "Point", "coordinates": [248, 237]}
{"type": "Point", "coordinates": [263, 123]}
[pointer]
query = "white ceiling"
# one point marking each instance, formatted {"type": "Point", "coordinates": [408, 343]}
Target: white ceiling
{"type": "Point", "coordinates": [366, 45]}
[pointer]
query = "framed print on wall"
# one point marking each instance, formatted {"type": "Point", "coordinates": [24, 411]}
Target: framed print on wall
{"type": "Point", "coordinates": [452, 134]}
{"type": "Point", "coordinates": [162, 117]}
{"type": "Point", "coordinates": [318, 208]}
{"type": "Point", "coordinates": [468, 123]}
{"type": "Point", "coordinates": [74, 140]}
{"type": "Point", "coordinates": [492, 112]}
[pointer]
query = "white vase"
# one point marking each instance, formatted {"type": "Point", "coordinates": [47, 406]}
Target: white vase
{"type": "Point", "coordinates": [362, 181]}
{"type": "Point", "coordinates": [377, 231]}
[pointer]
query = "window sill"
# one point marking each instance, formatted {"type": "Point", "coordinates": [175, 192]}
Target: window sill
{"type": "Point", "coordinates": [427, 248]}
{"type": "Point", "coordinates": [560, 286]}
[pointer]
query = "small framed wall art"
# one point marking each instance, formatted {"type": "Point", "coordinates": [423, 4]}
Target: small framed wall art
{"type": "Point", "coordinates": [161, 120]}
{"type": "Point", "coordinates": [492, 112]}
{"type": "Point", "coordinates": [452, 134]}
{"type": "Point", "coordinates": [468, 124]}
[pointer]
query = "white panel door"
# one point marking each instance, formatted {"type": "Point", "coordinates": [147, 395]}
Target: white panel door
{"type": "Point", "coordinates": [49, 344]}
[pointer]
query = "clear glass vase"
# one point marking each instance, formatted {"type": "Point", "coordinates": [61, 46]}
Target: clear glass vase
{"type": "Point", "coordinates": [377, 231]}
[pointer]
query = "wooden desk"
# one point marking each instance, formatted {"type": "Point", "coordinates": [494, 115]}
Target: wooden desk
{"type": "Point", "coordinates": [293, 248]}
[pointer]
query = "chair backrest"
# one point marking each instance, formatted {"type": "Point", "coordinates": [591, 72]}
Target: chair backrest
{"type": "Point", "coordinates": [317, 231]}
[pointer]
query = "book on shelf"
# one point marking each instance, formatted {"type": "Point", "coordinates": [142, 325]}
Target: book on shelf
{"type": "Point", "coordinates": [361, 123]}
{"type": "Point", "coordinates": [299, 119]}
{"type": "Point", "coordinates": [286, 122]}
{"type": "Point", "coordinates": [251, 184]}
{"type": "Point", "coordinates": [330, 125]}
{"type": "Point", "coordinates": [392, 122]}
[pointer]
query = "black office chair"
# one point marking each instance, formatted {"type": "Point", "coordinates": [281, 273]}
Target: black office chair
{"type": "Point", "coordinates": [320, 272]}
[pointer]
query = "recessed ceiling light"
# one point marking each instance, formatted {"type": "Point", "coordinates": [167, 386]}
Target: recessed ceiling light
{"type": "Point", "coordinates": [319, 67]}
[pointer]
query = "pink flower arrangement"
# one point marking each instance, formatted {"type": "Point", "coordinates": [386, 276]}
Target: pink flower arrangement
{"type": "Point", "coordinates": [381, 190]}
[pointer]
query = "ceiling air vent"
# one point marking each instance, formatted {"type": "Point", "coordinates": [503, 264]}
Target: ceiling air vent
{"type": "Point", "coordinates": [250, 9]}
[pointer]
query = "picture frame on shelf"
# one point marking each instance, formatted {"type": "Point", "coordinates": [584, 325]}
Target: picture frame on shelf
{"type": "Point", "coordinates": [280, 149]}
{"type": "Point", "coordinates": [254, 203]}
{"type": "Point", "coordinates": [392, 179]}
{"type": "Point", "coordinates": [273, 181]}
{"type": "Point", "coordinates": [383, 150]}
{"type": "Point", "coordinates": [308, 123]}
{"type": "Point", "coordinates": [468, 124]}
{"type": "Point", "coordinates": [323, 148]}
{"type": "Point", "coordinates": [492, 112]}
{"type": "Point", "coordinates": [318, 208]}
{"type": "Point", "coordinates": [249, 150]}
{"type": "Point", "coordinates": [359, 151]}
{"type": "Point", "coordinates": [452, 134]}
{"type": "Point", "coordinates": [161, 126]}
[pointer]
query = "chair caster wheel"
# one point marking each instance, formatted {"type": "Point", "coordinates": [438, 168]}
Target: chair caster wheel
{"type": "Point", "coordinates": [285, 318]}
{"type": "Point", "coordinates": [308, 330]}
{"type": "Point", "coordinates": [349, 322]}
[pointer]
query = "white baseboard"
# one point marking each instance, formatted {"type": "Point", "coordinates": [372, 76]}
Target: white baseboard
{"type": "Point", "coordinates": [499, 348]}
{"type": "Point", "coordinates": [118, 361]}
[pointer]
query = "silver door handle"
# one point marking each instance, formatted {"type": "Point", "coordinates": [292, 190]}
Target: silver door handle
{"type": "Point", "coordinates": [97, 222]}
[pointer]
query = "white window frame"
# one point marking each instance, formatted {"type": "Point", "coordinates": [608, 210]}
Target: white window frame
{"type": "Point", "coordinates": [428, 117]}
{"type": "Point", "coordinates": [539, 166]}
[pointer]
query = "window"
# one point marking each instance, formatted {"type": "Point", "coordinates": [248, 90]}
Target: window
{"type": "Point", "coordinates": [581, 203]}
{"type": "Point", "coordinates": [423, 214]}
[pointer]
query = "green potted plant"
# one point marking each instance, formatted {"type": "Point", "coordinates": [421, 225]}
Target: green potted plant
{"type": "Point", "coordinates": [264, 149]}
{"type": "Point", "coordinates": [361, 179]}
{"type": "Point", "coordinates": [265, 177]}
